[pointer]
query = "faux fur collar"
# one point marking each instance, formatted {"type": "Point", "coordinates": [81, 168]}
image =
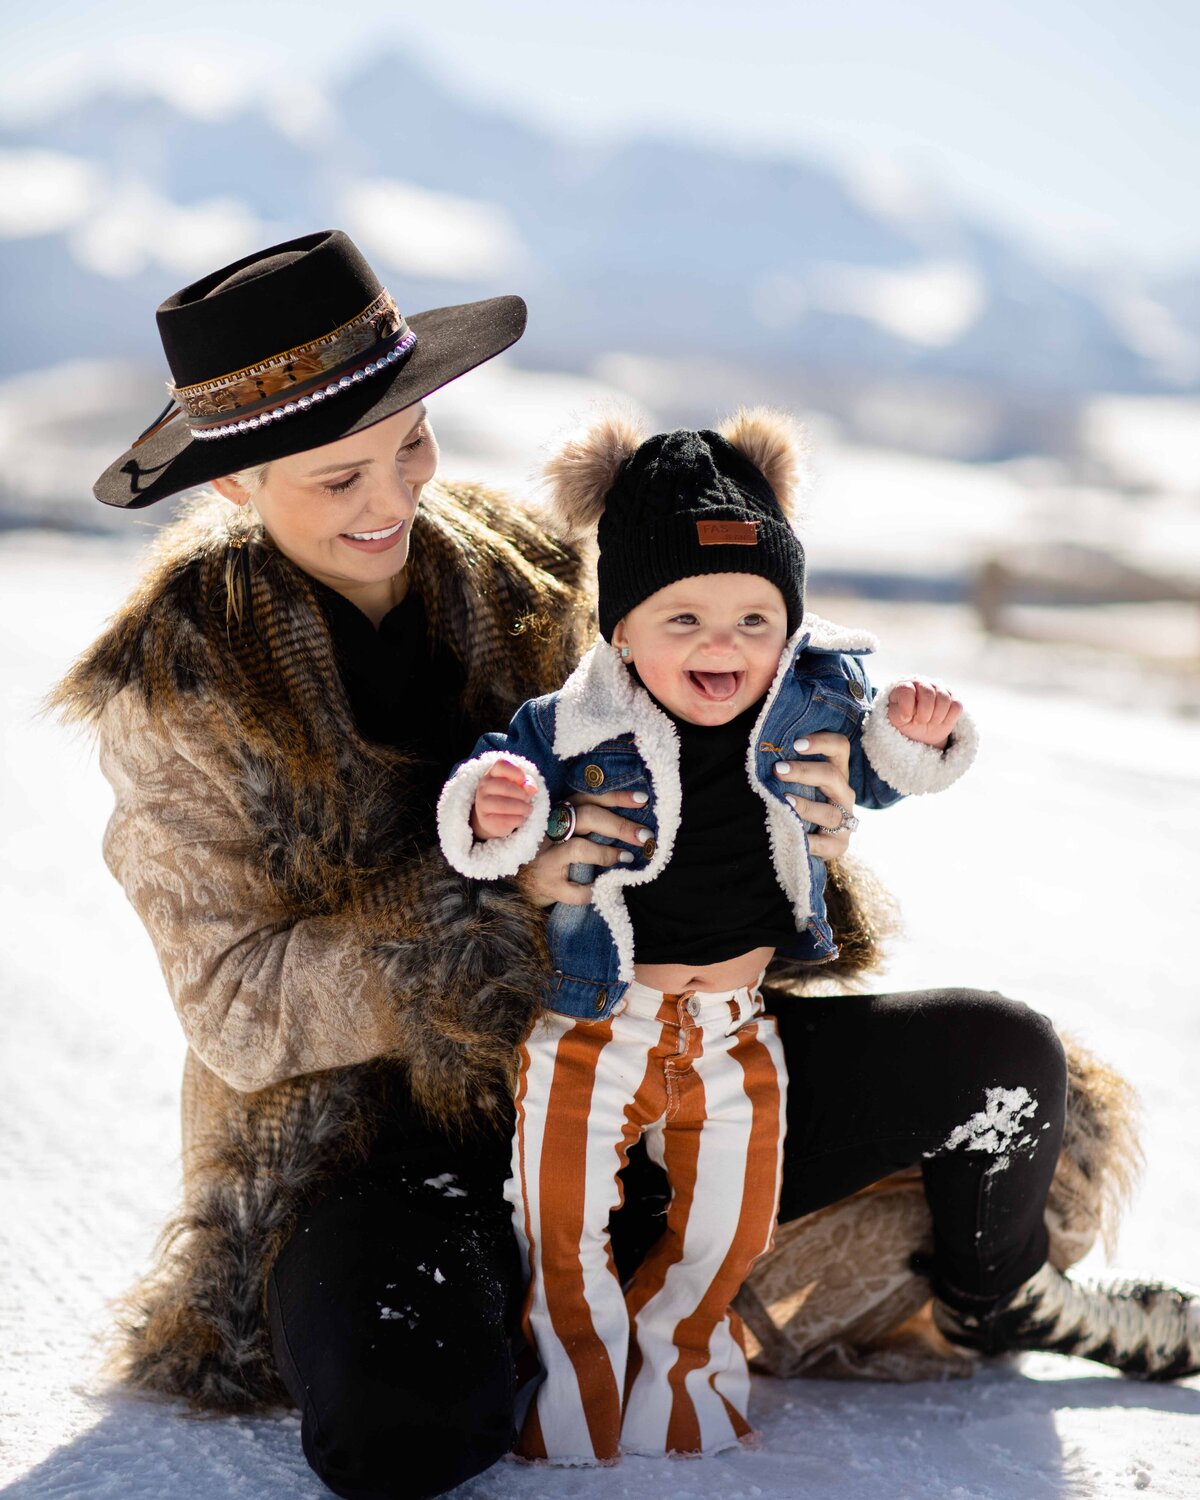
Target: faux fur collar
{"type": "Point", "coordinates": [499, 591]}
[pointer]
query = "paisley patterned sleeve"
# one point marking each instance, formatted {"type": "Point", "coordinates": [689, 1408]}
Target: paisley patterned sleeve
{"type": "Point", "coordinates": [261, 996]}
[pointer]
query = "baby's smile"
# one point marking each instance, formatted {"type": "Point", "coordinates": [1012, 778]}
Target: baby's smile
{"type": "Point", "coordinates": [716, 687]}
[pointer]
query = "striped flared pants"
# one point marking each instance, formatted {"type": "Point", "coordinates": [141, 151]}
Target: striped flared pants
{"type": "Point", "coordinates": [658, 1367]}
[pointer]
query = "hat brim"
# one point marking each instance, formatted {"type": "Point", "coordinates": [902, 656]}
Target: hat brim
{"type": "Point", "coordinates": [450, 341]}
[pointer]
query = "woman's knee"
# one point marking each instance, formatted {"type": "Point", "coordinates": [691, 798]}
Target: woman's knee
{"type": "Point", "coordinates": [365, 1453]}
{"type": "Point", "coordinates": [370, 1439]}
{"type": "Point", "coordinates": [405, 1385]}
{"type": "Point", "coordinates": [991, 1040]}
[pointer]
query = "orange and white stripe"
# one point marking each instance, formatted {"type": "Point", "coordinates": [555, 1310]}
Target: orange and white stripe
{"type": "Point", "coordinates": [660, 1367]}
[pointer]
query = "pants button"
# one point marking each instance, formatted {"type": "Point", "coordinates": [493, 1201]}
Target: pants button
{"type": "Point", "coordinates": [693, 1006]}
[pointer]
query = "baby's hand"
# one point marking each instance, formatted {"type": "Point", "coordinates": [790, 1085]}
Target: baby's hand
{"type": "Point", "coordinates": [923, 711]}
{"type": "Point", "coordinates": [503, 800]}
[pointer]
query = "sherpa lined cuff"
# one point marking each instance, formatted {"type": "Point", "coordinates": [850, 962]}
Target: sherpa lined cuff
{"type": "Point", "coordinates": [489, 859]}
{"type": "Point", "coordinates": [910, 767]}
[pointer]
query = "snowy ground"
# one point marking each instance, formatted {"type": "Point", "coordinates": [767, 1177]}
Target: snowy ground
{"type": "Point", "coordinates": [1063, 870]}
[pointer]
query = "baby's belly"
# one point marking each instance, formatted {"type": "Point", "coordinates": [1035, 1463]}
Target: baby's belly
{"type": "Point", "coordinates": [729, 974]}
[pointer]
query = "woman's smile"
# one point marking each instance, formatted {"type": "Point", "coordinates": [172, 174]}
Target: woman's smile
{"type": "Point", "coordinates": [374, 541]}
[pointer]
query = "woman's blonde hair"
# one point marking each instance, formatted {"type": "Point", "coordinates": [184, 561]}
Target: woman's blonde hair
{"type": "Point", "coordinates": [251, 479]}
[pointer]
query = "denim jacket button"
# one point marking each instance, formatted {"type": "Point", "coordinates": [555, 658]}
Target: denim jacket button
{"type": "Point", "coordinates": [649, 847]}
{"type": "Point", "coordinates": [857, 691]}
{"type": "Point", "coordinates": [594, 776]}
{"type": "Point", "coordinates": [601, 999]}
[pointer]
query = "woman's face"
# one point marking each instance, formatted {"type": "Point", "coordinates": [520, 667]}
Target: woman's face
{"type": "Point", "coordinates": [343, 512]}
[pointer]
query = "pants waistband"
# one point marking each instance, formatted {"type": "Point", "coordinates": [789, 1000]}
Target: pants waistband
{"type": "Point", "coordinates": [700, 1005]}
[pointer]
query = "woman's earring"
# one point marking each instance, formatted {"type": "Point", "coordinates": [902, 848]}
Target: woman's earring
{"type": "Point", "coordinates": [624, 653]}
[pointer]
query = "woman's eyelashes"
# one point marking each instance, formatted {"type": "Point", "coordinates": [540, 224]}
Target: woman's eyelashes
{"type": "Point", "coordinates": [340, 486]}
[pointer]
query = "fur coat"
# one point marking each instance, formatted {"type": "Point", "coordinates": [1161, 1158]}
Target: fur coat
{"type": "Point", "coordinates": [315, 951]}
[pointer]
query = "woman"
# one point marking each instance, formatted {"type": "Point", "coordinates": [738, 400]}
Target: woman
{"type": "Point", "coordinates": [277, 705]}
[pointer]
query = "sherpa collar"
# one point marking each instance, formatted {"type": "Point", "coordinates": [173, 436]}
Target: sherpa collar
{"type": "Point", "coordinates": [601, 700]}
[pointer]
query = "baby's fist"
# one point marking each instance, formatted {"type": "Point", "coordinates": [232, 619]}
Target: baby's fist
{"type": "Point", "coordinates": [923, 711]}
{"type": "Point", "coordinates": [503, 800]}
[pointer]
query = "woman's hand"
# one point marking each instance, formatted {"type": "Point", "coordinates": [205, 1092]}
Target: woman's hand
{"type": "Point", "coordinates": [829, 776]}
{"type": "Point", "coordinates": [544, 879]}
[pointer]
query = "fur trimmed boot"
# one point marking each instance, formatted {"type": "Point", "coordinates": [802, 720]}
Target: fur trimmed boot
{"type": "Point", "coordinates": [1144, 1328]}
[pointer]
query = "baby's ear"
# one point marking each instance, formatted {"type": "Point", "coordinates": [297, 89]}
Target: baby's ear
{"type": "Point", "coordinates": [777, 446]}
{"type": "Point", "coordinates": [582, 472]}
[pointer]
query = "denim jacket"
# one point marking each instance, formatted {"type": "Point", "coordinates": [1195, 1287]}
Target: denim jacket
{"type": "Point", "coordinates": [602, 732]}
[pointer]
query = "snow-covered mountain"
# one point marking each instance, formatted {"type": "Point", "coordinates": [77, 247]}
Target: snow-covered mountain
{"type": "Point", "coordinates": [742, 275]}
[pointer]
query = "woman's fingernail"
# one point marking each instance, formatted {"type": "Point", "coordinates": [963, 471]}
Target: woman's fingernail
{"type": "Point", "coordinates": [625, 857]}
{"type": "Point", "coordinates": [645, 835]}
{"type": "Point", "coordinates": [782, 768]}
{"type": "Point", "coordinates": [799, 745]}
{"type": "Point", "coordinates": [641, 798]}
{"type": "Point", "coordinates": [795, 801]}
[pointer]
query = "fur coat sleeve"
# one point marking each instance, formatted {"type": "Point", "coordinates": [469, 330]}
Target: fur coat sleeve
{"type": "Point", "coordinates": [261, 996]}
{"type": "Point", "coordinates": [415, 964]}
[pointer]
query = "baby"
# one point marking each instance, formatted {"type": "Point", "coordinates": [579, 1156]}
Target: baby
{"type": "Point", "coordinates": [709, 673]}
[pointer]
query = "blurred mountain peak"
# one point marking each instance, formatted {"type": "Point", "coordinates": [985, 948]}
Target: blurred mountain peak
{"type": "Point", "coordinates": [804, 278]}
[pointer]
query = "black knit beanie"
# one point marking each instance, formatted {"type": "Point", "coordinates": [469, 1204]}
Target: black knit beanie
{"type": "Point", "coordinates": [684, 504]}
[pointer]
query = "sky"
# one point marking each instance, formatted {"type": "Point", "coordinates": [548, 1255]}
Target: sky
{"type": "Point", "coordinates": [1077, 124]}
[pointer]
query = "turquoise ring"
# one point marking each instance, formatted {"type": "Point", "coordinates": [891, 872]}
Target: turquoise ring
{"type": "Point", "coordinates": [560, 825]}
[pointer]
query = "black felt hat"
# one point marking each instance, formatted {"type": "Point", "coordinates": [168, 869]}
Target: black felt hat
{"type": "Point", "coordinates": [292, 347]}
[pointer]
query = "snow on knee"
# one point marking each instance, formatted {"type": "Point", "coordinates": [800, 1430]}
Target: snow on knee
{"type": "Point", "coordinates": [998, 1128]}
{"type": "Point", "coordinates": [444, 1183]}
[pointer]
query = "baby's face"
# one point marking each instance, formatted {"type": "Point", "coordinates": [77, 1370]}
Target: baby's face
{"type": "Point", "coordinates": [708, 647]}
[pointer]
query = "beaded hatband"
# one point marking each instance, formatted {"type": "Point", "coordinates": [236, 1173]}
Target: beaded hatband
{"type": "Point", "coordinates": [302, 403]}
{"type": "Point", "coordinates": [298, 378]}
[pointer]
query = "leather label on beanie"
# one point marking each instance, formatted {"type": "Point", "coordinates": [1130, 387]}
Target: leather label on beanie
{"type": "Point", "coordinates": [727, 533]}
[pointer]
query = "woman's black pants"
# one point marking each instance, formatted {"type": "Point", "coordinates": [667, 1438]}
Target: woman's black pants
{"type": "Point", "coordinates": [393, 1303]}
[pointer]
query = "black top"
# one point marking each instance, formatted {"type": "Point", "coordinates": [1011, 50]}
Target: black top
{"type": "Point", "coordinates": [719, 895]}
{"type": "Point", "coordinates": [405, 691]}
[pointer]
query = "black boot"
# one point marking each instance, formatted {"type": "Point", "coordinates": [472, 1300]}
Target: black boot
{"type": "Point", "coordinates": [1142, 1328]}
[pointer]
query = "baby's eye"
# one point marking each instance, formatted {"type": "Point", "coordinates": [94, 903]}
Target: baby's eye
{"type": "Point", "coordinates": [683, 620]}
{"type": "Point", "coordinates": [753, 620]}
{"type": "Point", "coordinates": [343, 484]}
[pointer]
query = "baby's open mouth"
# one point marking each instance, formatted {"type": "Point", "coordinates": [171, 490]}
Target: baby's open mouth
{"type": "Point", "coordinates": [718, 686]}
